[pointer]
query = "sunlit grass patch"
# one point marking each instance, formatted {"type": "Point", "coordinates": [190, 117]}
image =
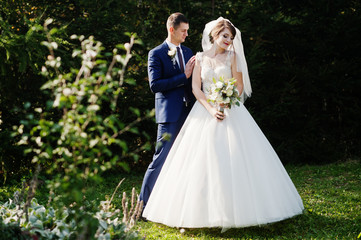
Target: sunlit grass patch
{"type": "Point", "coordinates": [331, 194]}
{"type": "Point", "coordinates": [332, 197]}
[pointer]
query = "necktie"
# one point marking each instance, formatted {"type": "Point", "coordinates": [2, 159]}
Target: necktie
{"type": "Point", "coordinates": [186, 95]}
{"type": "Point", "coordinates": [180, 58]}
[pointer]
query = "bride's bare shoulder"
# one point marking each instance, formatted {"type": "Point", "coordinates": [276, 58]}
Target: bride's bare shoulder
{"type": "Point", "coordinates": [199, 56]}
{"type": "Point", "coordinates": [207, 53]}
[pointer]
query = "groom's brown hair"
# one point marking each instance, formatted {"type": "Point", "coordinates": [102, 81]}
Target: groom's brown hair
{"type": "Point", "coordinates": [175, 19]}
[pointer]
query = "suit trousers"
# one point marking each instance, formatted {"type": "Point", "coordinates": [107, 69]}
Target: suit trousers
{"type": "Point", "coordinates": [162, 149]}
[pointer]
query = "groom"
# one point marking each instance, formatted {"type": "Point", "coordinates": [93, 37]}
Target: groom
{"type": "Point", "coordinates": [170, 66]}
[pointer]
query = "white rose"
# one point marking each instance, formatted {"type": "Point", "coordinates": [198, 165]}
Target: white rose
{"type": "Point", "coordinates": [219, 99]}
{"type": "Point", "coordinates": [229, 86]}
{"type": "Point", "coordinates": [219, 84]}
{"type": "Point", "coordinates": [229, 92]}
{"type": "Point", "coordinates": [213, 96]}
{"type": "Point", "coordinates": [172, 52]}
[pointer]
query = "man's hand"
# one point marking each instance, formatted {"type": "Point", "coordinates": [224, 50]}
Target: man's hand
{"type": "Point", "coordinates": [189, 66]}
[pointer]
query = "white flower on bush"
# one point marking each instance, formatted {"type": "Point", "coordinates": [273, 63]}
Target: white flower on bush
{"type": "Point", "coordinates": [118, 58]}
{"type": "Point", "coordinates": [54, 45]}
{"type": "Point", "coordinates": [93, 98]}
{"type": "Point", "coordinates": [57, 100]}
{"type": "Point", "coordinates": [38, 141]}
{"type": "Point", "coordinates": [93, 107]}
{"type": "Point", "coordinates": [81, 93]}
{"type": "Point", "coordinates": [67, 91]}
{"type": "Point", "coordinates": [127, 46]}
{"type": "Point", "coordinates": [90, 53]}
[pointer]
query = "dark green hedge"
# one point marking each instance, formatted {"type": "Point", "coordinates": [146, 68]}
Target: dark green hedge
{"type": "Point", "coordinates": [303, 57]}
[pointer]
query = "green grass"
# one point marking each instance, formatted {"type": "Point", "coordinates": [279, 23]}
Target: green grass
{"type": "Point", "coordinates": [331, 195]}
{"type": "Point", "coordinates": [332, 199]}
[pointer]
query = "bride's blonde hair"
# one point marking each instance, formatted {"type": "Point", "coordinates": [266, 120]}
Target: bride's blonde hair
{"type": "Point", "coordinates": [221, 25]}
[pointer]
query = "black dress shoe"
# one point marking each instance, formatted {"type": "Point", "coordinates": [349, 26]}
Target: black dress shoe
{"type": "Point", "coordinates": [143, 219]}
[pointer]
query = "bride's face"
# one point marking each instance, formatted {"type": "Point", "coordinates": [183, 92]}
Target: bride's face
{"type": "Point", "coordinates": [224, 39]}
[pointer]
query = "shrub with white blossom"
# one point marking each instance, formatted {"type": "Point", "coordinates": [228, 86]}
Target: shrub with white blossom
{"type": "Point", "coordinates": [75, 136]}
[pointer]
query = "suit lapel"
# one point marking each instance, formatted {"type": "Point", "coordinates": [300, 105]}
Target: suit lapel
{"type": "Point", "coordinates": [166, 49]}
{"type": "Point", "coordinates": [185, 54]}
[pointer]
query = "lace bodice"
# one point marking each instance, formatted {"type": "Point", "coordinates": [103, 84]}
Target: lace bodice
{"type": "Point", "coordinates": [209, 72]}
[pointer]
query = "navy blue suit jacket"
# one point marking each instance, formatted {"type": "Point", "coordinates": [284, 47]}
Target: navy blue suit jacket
{"type": "Point", "coordinates": [168, 83]}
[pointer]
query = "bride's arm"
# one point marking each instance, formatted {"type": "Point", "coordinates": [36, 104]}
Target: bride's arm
{"type": "Point", "coordinates": [198, 93]}
{"type": "Point", "coordinates": [237, 75]}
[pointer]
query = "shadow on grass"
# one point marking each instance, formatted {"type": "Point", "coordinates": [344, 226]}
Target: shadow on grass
{"type": "Point", "coordinates": [306, 226]}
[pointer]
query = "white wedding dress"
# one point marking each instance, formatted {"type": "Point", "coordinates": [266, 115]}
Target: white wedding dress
{"type": "Point", "coordinates": [221, 174]}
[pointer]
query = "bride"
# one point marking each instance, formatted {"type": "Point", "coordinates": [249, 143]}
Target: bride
{"type": "Point", "coordinates": [221, 170]}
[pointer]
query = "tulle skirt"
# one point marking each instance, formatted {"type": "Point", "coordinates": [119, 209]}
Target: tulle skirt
{"type": "Point", "coordinates": [222, 174]}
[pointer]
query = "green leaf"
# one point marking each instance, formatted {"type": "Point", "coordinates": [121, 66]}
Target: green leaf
{"type": "Point", "coordinates": [135, 111]}
{"type": "Point", "coordinates": [123, 145]}
{"type": "Point", "coordinates": [120, 46]}
{"type": "Point", "coordinates": [38, 224]}
{"type": "Point", "coordinates": [53, 31]}
{"type": "Point", "coordinates": [136, 157]}
{"type": "Point", "coordinates": [32, 219]}
{"type": "Point", "coordinates": [134, 130]}
{"type": "Point", "coordinates": [131, 81]}
{"type": "Point", "coordinates": [139, 42]}
{"type": "Point", "coordinates": [7, 54]}
{"type": "Point", "coordinates": [27, 105]}
{"type": "Point", "coordinates": [103, 224]}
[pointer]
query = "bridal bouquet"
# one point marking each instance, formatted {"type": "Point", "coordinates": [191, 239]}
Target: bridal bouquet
{"type": "Point", "coordinates": [224, 93]}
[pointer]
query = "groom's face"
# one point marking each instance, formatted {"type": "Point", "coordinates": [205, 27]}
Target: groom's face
{"type": "Point", "coordinates": [180, 34]}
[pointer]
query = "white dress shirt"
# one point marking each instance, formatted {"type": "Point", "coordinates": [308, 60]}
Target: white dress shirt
{"type": "Point", "coordinates": [171, 45]}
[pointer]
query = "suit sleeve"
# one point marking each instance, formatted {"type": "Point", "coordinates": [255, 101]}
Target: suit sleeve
{"type": "Point", "coordinates": [156, 82]}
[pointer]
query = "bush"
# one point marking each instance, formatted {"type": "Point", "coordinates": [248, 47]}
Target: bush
{"type": "Point", "coordinates": [302, 60]}
{"type": "Point", "coordinates": [22, 57]}
{"type": "Point", "coordinates": [12, 231]}
{"type": "Point", "coordinates": [49, 223]}
{"type": "Point", "coordinates": [77, 136]}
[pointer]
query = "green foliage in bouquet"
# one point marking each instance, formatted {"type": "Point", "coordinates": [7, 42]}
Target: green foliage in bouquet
{"type": "Point", "coordinates": [223, 92]}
